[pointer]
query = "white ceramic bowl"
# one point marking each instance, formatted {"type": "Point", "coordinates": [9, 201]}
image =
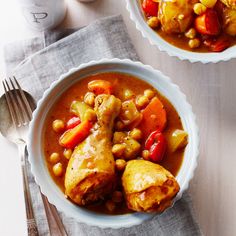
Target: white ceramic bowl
{"type": "Point", "coordinates": [36, 156]}
{"type": "Point", "coordinates": [136, 14]}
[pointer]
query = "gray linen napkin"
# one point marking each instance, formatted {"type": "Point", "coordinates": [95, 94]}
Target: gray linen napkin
{"type": "Point", "coordinates": [39, 61]}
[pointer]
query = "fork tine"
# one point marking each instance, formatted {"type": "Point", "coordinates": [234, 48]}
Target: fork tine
{"type": "Point", "coordinates": [21, 107]}
{"type": "Point", "coordinates": [13, 100]}
{"type": "Point", "coordinates": [10, 105]}
{"type": "Point", "coordinates": [24, 99]}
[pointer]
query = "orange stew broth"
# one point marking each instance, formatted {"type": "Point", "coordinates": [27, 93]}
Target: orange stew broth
{"type": "Point", "coordinates": [180, 41]}
{"type": "Point", "coordinates": [61, 110]}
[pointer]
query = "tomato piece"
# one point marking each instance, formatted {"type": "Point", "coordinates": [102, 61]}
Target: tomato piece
{"type": "Point", "coordinates": [150, 7]}
{"type": "Point", "coordinates": [73, 137]}
{"type": "Point", "coordinates": [217, 45]}
{"type": "Point", "coordinates": [157, 146]}
{"type": "Point", "coordinates": [219, 7]}
{"type": "Point", "coordinates": [71, 123]}
{"type": "Point", "coordinates": [208, 23]}
{"type": "Point", "coordinates": [220, 45]}
{"type": "Point", "coordinates": [100, 87]}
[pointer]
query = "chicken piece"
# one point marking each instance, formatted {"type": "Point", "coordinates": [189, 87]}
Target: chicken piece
{"type": "Point", "coordinates": [176, 16]}
{"type": "Point", "coordinates": [148, 187]}
{"type": "Point", "coordinates": [90, 173]}
{"type": "Point", "coordinates": [229, 20]}
{"type": "Point", "coordinates": [229, 3]}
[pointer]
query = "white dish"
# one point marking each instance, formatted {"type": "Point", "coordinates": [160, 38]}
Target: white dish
{"type": "Point", "coordinates": [134, 8]}
{"type": "Point", "coordinates": [36, 156]}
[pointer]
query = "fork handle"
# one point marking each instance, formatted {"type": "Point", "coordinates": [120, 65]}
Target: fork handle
{"type": "Point", "coordinates": [31, 223]}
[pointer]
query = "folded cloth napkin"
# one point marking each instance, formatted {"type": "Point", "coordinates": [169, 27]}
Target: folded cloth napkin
{"type": "Point", "coordinates": [37, 62]}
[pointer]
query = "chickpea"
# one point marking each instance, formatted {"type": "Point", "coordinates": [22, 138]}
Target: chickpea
{"type": "Point", "coordinates": [90, 115]}
{"type": "Point", "coordinates": [153, 22]}
{"type": "Point", "coordinates": [119, 125]}
{"type": "Point", "coordinates": [89, 98]}
{"type": "Point", "coordinates": [194, 43]}
{"type": "Point", "coordinates": [136, 134]}
{"type": "Point", "coordinates": [191, 33]}
{"type": "Point", "coordinates": [199, 8]}
{"type": "Point", "coordinates": [57, 169]}
{"type": "Point", "coordinates": [118, 137]}
{"type": "Point", "coordinates": [117, 196]}
{"type": "Point", "coordinates": [54, 157]}
{"type": "Point", "coordinates": [142, 101]}
{"type": "Point", "coordinates": [120, 164]}
{"type": "Point", "coordinates": [132, 148]}
{"type": "Point", "coordinates": [67, 153]}
{"type": "Point", "coordinates": [58, 125]}
{"type": "Point", "coordinates": [128, 94]}
{"type": "Point", "coordinates": [149, 93]}
{"type": "Point", "coordinates": [145, 154]}
{"type": "Point", "coordinates": [118, 149]}
{"type": "Point", "coordinates": [110, 205]}
{"type": "Point", "coordinates": [208, 3]}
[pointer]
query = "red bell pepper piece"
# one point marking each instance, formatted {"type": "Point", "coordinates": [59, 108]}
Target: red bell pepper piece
{"type": "Point", "coordinates": [217, 45]}
{"type": "Point", "coordinates": [73, 137]}
{"type": "Point", "coordinates": [157, 145]}
{"type": "Point", "coordinates": [150, 7]}
{"type": "Point", "coordinates": [220, 45]}
{"type": "Point", "coordinates": [71, 123]}
{"type": "Point", "coordinates": [208, 23]}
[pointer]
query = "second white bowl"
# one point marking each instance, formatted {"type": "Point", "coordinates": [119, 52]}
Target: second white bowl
{"type": "Point", "coordinates": [134, 8]}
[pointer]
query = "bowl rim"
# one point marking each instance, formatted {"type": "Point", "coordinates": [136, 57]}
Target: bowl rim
{"type": "Point", "coordinates": [40, 181]}
{"type": "Point", "coordinates": [136, 16]}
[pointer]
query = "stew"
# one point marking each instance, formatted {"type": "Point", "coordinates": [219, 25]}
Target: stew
{"type": "Point", "coordinates": [103, 130]}
{"type": "Point", "coordinates": [199, 26]}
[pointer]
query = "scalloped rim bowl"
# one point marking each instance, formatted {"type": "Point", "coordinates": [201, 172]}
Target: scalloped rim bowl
{"type": "Point", "coordinates": [134, 8]}
{"type": "Point", "coordinates": [36, 155]}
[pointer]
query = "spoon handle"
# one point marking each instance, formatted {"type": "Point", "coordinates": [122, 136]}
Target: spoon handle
{"type": "Point", "coordinates": [52, 215]}
{"type": "Point", "coordinates": [31, 223]}
{"type": "Point", "coordinates": [32, 227]}
{"type": "Point", "coordinates": [55, 224]}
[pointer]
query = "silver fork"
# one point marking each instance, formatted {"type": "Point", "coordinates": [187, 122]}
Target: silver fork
{"type": "Point", "coordinates": [21, 114]}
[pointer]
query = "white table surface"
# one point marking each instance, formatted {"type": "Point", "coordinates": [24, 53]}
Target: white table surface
{"type": "Point", "coordinates": [209, 88]}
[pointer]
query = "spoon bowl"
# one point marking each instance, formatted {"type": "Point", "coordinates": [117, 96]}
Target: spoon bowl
{"type": "Point", "coordinates": [6, 125]}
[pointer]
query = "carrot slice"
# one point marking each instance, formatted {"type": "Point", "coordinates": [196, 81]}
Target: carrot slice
{"type": "Point", "coordinates": [73, 137]}
{"type": "Point", "coordinates": [154, 117]}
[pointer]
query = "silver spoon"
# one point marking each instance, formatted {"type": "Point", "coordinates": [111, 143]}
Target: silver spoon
{"type": "Point", "coordinates": [8, 131]}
